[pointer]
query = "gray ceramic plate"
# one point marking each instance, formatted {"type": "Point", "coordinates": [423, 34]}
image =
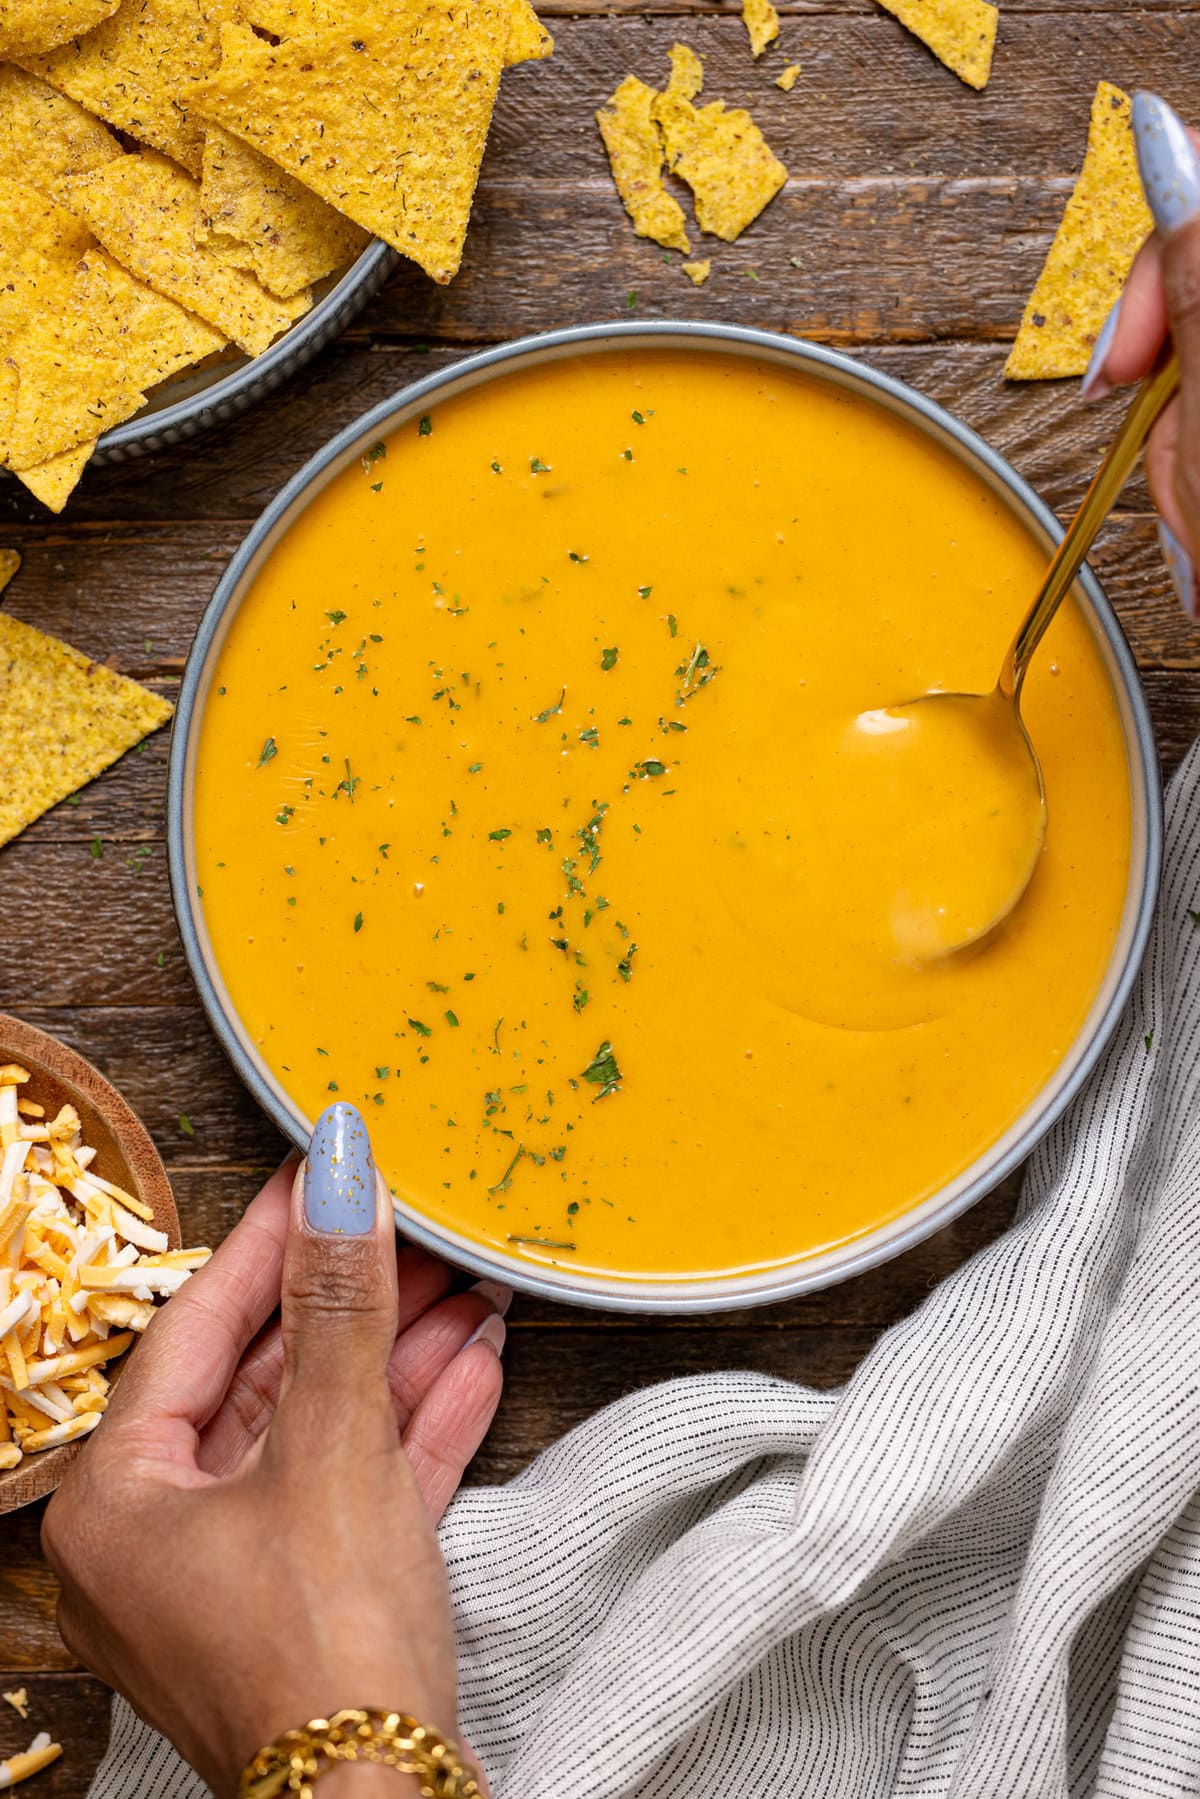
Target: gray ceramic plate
{"type": "Point", "coordinates": [221, 390]}
{"type": "Point", "coordinates": [939, 1209]}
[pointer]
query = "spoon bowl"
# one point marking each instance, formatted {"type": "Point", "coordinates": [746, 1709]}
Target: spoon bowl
{"type": "Point", "coordinates": [982, 737]}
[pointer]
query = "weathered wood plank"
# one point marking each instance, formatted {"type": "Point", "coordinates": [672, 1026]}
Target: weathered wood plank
{"type": "Point", "coordinates": [74, 1709]}
{"type": "Point", "coordinates": [869, 100]}
{"type": "Point", "coordinates": [80, 564]}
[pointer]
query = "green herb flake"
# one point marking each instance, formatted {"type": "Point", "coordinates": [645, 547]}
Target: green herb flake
{"type": "Point", "coordinates": [651, 766]}
{"type": "Point", "coordinates": [538, 467]}
{"type": "Point", "coordinates": [602, 1071]}
{"type": "Point", "coordinates": [500, 835]}
{"type": "Point", "coordinates": [542, 718]}
{"type": "Point", "coordinates": [422, 1030]}
{"type": "Point", "coordinates": [336, 618]}
{"type": "Point", "coordinates": [608, 658]}
{"type": "Point", "coordinates": [270, 749]}
{"type": "Point", "coordinates": [358, 922]}
{"type": "Point", "coordinates": [451, 1019]}
{"type": "Point", "coordinates": [425, 428]}
{"type": "Point", "coordinates": [186, 1125]}
{"type": "Point", "coordinates": [97, 847]}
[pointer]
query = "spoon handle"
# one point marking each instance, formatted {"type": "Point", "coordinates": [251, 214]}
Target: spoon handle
{"type": "Point", "coordinates": [1151, 397]}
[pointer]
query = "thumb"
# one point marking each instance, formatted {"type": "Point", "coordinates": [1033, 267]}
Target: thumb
{"type": "Point", "coordinates": [1170, 170]}
{"type": "Point", "coordinates": [339, 1307]}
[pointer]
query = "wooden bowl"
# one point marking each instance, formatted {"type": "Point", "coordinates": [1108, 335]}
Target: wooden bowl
{"type": "Point", "coordinates": [124, 1155]}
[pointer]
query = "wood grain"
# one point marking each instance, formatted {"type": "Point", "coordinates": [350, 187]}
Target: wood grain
{"type": "Point", "coordinates": [918, 213]}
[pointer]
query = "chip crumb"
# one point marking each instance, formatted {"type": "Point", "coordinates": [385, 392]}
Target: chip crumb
{"type": "Point", "coordinates": [635, 153]}
{"type": "Point", "coordinates": [762, 22]}
{"type": "Point", "coordinates": [697, 272]}
{"type": "Point", "coordinates": [720, 153]}
{"type": "Point", "coordinates": [10, 562]}
{"type": "Point", "coordinates": [787, 80]}
{"type": "Point", "coordinates": [19, 1700]}
{"type": "Point", "coordinates": [1105, 223]}
{"type": "Point", "coordinates": [63, 719]}
{"type": "Point", "coordinates": [961, 33]}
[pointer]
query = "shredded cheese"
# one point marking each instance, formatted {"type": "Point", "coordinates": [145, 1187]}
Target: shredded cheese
{"type": "Point", "coordinates": [81, 1263]}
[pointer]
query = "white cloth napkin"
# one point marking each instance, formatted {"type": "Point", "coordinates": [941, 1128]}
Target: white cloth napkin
{"type": "Point", "coordinates": [974, 1572]}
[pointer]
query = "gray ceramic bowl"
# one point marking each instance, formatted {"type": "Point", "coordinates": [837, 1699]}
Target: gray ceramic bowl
{"type": "Point", "coordinates": [889, 1240]}
{"type": "Point", "coordinates": [220, 391]}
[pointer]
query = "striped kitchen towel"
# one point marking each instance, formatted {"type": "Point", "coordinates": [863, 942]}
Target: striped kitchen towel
{"type": "Point", "coordinates": [974, 1572]}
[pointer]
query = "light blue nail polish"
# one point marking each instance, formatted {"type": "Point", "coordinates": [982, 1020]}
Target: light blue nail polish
{"type": "Point", "coordinates": [1094, 386]}
{"type": "Point", "coordinates": [1167, 162]}
{"type": "Point", "coordinates": [1179, 567]}
{"type": "Point", "coordinates": [339, 1182]}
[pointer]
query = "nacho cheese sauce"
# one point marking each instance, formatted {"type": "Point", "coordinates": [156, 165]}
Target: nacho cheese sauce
{"type": "Point", "coordinates": [523, 790]}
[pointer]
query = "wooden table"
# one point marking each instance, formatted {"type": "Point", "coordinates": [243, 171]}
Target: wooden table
{"type": "Point", "coordinates": [913, 226]}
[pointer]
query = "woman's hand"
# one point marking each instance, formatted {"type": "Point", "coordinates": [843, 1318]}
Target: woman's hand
{"type": "Point", "coordinates": [249, 1541]}
{"type": "Point", "coordinates": [1161, 297]}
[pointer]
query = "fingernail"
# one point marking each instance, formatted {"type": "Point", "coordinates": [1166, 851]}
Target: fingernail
{"type": "Point", "coordinates": [1179, 567]}
{"type": "Point", "coordinates": [492, 1331]}
{"type": "Point", "coordinates": [499, 1296]}
{"type": "Point", "coordinates": [339, 1181]}
{"type": "Point", "coordinates": [1167, 162]}
{"type": "Point", "coordinates": [1094, 386]}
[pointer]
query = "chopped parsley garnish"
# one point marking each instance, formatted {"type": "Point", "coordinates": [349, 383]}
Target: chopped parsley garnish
{"type": "Point", "coordinates": [269, 749]}
{"type": "Point", "coordinates": [651, 766]}
{"type": "Point", "coordinates": [602, 1071]}
{"type": "Point", "coordinates": [638, 419]}
{"type": "Point", "coordinates": [538, 467]}
{"type": "Point", "coordinates": [284, 814]}
{"type": "Point", "coordinates": [336, 618]}
{"type": "Point", "coordinates": [186, 1125]}
{"type": "Point", "coordinates": [422, 1030]}
{"type": "Point", "coordinates": [496, 469]}
{"type": "Point", "coordinates": [502, 1185]}
{"type": "Point", "coordinates": [608, 658]}
{"type": "Point", "coordinates": [500, 835]}
{"type": "Point", "coordinates": [541, 718]}
{"type": "Point", "coordinates": [451, 1019]}
{"type": "Point", "coordinates": [376, 453]}
{"type": "Point", "coordinates": [358, 922]}
{"type": "Point", "coordinates": [425, 428]}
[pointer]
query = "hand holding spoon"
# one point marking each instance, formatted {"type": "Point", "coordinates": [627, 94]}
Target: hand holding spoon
{"type": "Point", "coordinates": [991, 806]}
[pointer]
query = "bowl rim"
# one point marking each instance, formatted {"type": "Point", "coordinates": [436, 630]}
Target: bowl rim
{"type": "Point", "coordinates": [775, 1283]}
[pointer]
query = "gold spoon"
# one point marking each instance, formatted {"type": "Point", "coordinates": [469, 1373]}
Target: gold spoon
{"type": "Point", "coordinates": [986, 733]}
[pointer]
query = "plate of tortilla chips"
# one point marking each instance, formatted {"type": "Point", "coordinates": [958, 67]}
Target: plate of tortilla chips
{"type": "Point", "coordinates": [196, 195]}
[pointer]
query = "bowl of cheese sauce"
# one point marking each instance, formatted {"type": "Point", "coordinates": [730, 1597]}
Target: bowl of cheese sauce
{"type": "Point", "coordinates": [517, 783]}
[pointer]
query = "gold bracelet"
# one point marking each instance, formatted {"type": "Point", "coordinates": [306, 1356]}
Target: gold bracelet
{"type": "Point", "coordinates": [298, 1759]}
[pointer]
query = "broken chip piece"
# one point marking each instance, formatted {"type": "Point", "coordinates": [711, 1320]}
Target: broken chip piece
{"type": "Point", "coordinates": [147, 213]}
{"type": "Point", "coordinates": [635, 152]}
{"type": "Point", "coordinates": [133, 68]}
{"type": "Point", "coordinates": [787, 80]}
{"type": "Point", "coordinates": [721, 154]}
{"type": "Point", "coordinates": [256, 217]}
{"type": "Point", "coordinates": [54, 481]}
{"type": "Point", "coordinates": [19, 1700]}
{"type": "Point", "coordinates": [46, 138]}
{"type": "Point", "coordinates": [63, 719]}
{"type": "Point", "coordinates": [27, 27]}
{"type": "Point", "coordinates": [386, 123]}
{"type": "Point", "coordinates": [10, 562]}
{"type": "Point", "coordinates": [697, 272]}
{"type": "Point", "coordinates": [1104, 225]}
{"type": "Point", "coordinates": [961, 33]}
{"type": "Point", "coordinates": [762, 22]}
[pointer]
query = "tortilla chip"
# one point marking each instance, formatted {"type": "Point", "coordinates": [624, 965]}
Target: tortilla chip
{"type": "Point", "coordinates": [28, 27]}
{"type": "Point", "coordinates": [46, 138]}
{"type": "Point", "coordinates": [1104, 226]}
{"type": "Point", "coordinates": [762, 22]}
{"type": "Point", "coordinates": [10, 562]}
{"type": "Point", "coordinates": [722, 155]}
{"type": "Point", "coordinates": [687, 73]}
{"type": "Point", "coordinates": [147, 214]}
{"type": "Point", "coordinates": [87, 366]}
{"type": "Point", "coordinates": [132, 70]}
{"type": "Point", "coordinates": [387, 124]}
{"type": "Point", "coordinates": [961, 33]}
{"type": "Point", "coordinates": [787, 80]}
{"type": "Point", "coordinates": [525, 37]}
{"type": "Point", "coordinates": [697, 272]}
{"type": "Point", "coordinates": [258, 218]}
{"type": "Point", "coordinates": [54, 482]}
{"type": "Point", "coordinates": [40, 247]}
{"type": "Point", "coordinates": [635, 153]}
{"type": "Point", "coordinates": [63, 719]}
